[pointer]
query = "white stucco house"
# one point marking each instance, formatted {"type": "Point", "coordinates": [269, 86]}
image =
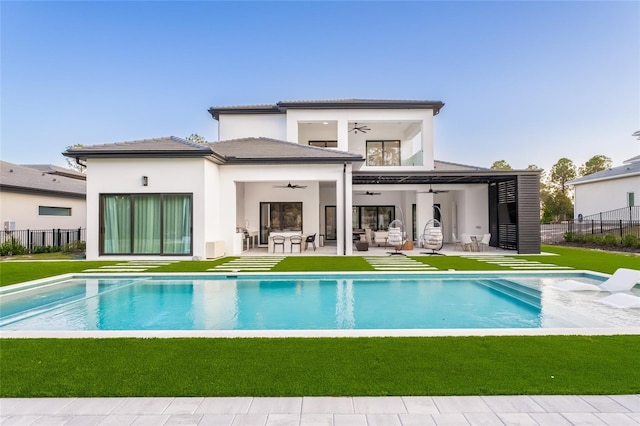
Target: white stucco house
{"type": "Point", "coordinates": [608, 190]}
{"type": "Point", "coordinates": [41, 197]}
{"type": "Point", "coordinates": [324, 168]}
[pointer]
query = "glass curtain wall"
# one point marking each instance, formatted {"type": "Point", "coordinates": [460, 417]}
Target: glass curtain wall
{"type": "Point", "coordinates": [279, 217]}
{"type": "Point", "coordinates": [376, 218]}
{"type": "Point", "coordinates": [146, 224]}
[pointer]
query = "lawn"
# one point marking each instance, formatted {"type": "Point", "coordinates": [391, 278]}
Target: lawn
{"type": "Point", "coordinates": [508, 365]}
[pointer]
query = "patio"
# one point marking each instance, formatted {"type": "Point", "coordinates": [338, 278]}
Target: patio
{"type": "Point", "coordinates": [329, 249]}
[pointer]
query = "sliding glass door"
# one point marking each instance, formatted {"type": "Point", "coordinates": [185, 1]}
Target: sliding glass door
{"type": "Point", "coordinates": [376, 218]}
{"type": "Point", "coordinates": [146, 224]}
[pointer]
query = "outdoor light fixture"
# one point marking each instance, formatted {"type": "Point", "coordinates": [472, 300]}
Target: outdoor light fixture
{"type": "Point", "coordinates": [145, 181]}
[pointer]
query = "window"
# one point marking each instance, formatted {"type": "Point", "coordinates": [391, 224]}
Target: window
{"type": "Point", "coordinates": [279, 217]}
{"type": "Point", "coordinates": [324, 144]}
{"type": "Point", "coordinates": [54, 211]}
{"type": "Point", "coordinates": [376, 218]}
{"type": "Point", "coordinates": [145, 224]}
{"type": "Point", "coordinates": [383, 153]}
{"type": "Point", "coordinates": [631, 199]}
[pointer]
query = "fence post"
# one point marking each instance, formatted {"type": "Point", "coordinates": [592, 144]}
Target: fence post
{"type": "Point", "coordinates": [601, 222]}
{"type": "Point", "coordinates": [620, 228]}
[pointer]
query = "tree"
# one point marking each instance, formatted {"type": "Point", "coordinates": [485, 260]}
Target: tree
{"type": "Point", "coordinates": [72, 163]}
{"type": "Point", "coordinates": [558, 207]}
{"type": "Point", "coordinates": [562, 172]}
{"type": "Point", "coordinates": [500, 165]}
{"type": "Point", "coordinates": [595, 164]}
{"type": "Point", "coordinates": [194, 137]}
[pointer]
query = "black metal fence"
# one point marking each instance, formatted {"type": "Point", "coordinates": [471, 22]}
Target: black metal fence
{"type": "Point", "coordinates": [34, 240]}
{"type": "Point", "coordinates": [620, 222]}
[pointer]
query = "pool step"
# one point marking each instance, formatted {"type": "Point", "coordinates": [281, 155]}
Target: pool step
{"type": "Point", "coordinates": [525, 294]}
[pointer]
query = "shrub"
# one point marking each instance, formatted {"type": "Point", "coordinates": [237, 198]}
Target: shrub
{"type": "Point", "coordinates": [611, 240]}
{"type": "Point", "coordinates": [75, 247]}
{"type": "Point", "coordinates": [570, 237]}
{"type": "Point", "coordinates": [41, 249]}
{"type": "Point", "coordinates": [630, 240]}
{"type": "Point", "coordinates": [12, 246]}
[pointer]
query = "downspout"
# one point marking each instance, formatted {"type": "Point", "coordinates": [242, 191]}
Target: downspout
{"type": "Point", "coordinates": [344, 206]}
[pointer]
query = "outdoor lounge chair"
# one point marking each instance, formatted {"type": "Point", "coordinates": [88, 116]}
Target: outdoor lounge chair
{"type": "Point", "coordinates": [396, 236]}
{"type": "Point", "coordinates": [432, 237]}
{"type": "Point", "coordinates": [621, 300]}
{"type": "Point", "coordinates": [622, 280]}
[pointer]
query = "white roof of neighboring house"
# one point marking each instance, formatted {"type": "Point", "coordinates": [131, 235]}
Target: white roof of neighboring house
{"type": "Point", "coordinates": [626, 170]}
{"type": "Point", "coordinates": [16, 178]}
{"type": "Point", "coordinates": [56, 170]}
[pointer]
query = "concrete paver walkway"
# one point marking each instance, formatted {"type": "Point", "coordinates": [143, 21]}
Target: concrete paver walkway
{"type": "Point", "coordinates": [616, 410]}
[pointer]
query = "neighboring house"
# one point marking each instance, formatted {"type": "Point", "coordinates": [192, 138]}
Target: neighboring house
{"type": "Point", "coordinates": [308, 166]}
{"type": "Point", "coordinates": [41, 197]}
{"type": "Point", "coordinates": [607, 190]}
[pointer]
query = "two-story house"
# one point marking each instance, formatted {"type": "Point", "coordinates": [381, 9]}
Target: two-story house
{"type": "Point", "coordinates": [315, 167]}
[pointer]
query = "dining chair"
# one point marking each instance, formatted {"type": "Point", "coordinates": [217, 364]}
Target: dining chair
{"type": "Point", "coordinates": [311, 239]}
{"type": "Point", "coordinates": [456, 241]}
{"type": "Point", "coordinates": [278, 240]}
{"type": "Point", "coordinates": [296, 240]}
{"type": "Point", "coordinates": [467, 242]}
{"type": "Point", "coordinates": [484, 243]}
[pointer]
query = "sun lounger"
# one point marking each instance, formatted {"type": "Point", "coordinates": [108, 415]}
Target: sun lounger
{"type": "Point", "coordinates": [621, 300]}
{"type": "Point", "coordinates": [622, 280]}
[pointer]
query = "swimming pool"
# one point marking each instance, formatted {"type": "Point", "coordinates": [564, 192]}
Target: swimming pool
{"type": "Point", "coordinates": [249, 302]}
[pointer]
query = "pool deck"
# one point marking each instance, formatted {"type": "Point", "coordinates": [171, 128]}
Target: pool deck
{"type": "Point", "coordinates": [614, 410]}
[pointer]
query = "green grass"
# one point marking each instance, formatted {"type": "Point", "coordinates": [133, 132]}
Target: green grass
{"type": "Point", "coordinates": [506, 365]}
{"type": "Point", "coordinates": [341, 366]}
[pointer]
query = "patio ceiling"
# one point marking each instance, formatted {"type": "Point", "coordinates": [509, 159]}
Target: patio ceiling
{"type": "Point", "coordinates": [440, 177]}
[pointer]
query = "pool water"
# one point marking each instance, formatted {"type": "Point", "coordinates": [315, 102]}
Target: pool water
{"type": "Point", "coordinates": [287, 303]}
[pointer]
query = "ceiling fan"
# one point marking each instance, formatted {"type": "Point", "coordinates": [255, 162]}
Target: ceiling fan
{"type": "Point", "coordinates": [434, 191]}
{"type": "Point", "coordinates": [363, 128]}
{"type": "Point", "coordinates": [369, 193]}
{"type": "Point", "coordinates": [290, 186]}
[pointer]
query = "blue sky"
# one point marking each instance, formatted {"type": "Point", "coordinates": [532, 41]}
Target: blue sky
{"type": "Point", "coordinates": [527, 82]}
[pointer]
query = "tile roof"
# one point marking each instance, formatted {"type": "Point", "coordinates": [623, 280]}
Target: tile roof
{"type": "Point", "coordinates": [447, 165]}
{"type": "Point", "coordinates": [282, 106]}
{"type": "Point", "coordinates": [155, 145]}
{"type": "Point", "coordinates": [18, 178]}
{"type": "Point", "coordinates": [232, 151]}
{"type": "Point", "coordinates": [626, 170]}
{"type": "Point", "coordinates": [263, 149]}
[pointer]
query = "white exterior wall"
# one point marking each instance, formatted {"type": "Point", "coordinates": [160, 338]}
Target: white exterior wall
{"type": "Point", "coordinates": [23, 209]}
{"type": "Point", "coordinates": [235, 126]}
{"type": "Point", "coordinates": [601, 196]}
{"type": "Point", "coordinates": [472, 210]}
{"type": "Point", "coordinates": [165, 175]}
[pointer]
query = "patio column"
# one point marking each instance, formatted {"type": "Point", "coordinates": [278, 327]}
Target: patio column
{"type": "Point", "coordinates": [344, 202]}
